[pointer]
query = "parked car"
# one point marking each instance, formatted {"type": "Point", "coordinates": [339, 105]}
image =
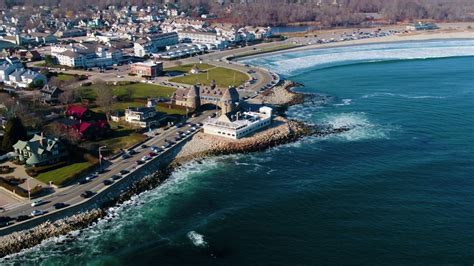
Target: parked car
{"type": "Point", "coordinates": [108, 182]}
{"type": "Point", "coordinates": [140, 162]}
{"type": "Point", "coordinates": [37, 212]}
{"type": "Point", "coordinates": [144, 146]}
{"type": "Point", "coordinates": [124, 172]}
{"type": "Point", "coordinates": [131, 152]}
{"type": "Point", "coordinates": [87, 194]}
{"type": "Point", "coordinates": [22, 218]}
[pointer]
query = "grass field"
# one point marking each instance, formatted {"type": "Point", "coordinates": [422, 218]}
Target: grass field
{"type": "Point", "coordinates": [137, 91]}
{"type": "Point", "coordinates": [65, 77]}
{"type": "Point", "coordinates": [120, 106]}
{"type": "Point", "coordinates": [122, 137]}
{"type": "Point", "coordinates": [224, 77]}
{"type": "Point", "coordinates": [187, 68]}
{"type": "Point", "coordinates": [60, 175]}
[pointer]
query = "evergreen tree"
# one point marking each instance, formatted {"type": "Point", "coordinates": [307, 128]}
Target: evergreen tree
{"type": "Point", "coordinates": [14, 131]}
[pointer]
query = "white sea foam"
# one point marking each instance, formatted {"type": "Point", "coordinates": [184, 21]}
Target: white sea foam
{"type": "Point", "coordinates": [290, 63]}
{"type": "Point", "coordinates": [197, 239]}
{"type": "Point", "coordinates": [389, 94]}
{"type": "Point", "coordinates": [344, 102]}
{"type": "Point", "coordinates": [361, 128]}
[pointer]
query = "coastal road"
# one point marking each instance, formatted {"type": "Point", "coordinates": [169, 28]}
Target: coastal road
{"type": "Point", "coordinates": [71, 195]}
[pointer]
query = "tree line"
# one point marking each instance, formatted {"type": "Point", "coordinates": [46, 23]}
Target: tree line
{"type": "Point", "coordinates": [282, 12]}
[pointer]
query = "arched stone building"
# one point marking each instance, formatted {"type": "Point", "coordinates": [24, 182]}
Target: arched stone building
{"type": "Point", "coordinates": [194, 97]}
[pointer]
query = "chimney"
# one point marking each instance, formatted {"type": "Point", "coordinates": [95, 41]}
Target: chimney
{"type": "Point", "coordinates": [41, 139]}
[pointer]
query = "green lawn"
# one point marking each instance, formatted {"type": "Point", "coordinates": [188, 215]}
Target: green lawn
{"type": "Point", "coordinates": [138, 90]}
{"type": "Point", "coordinates": [61, 175]}
{"type": "Point", "coordinates": [224, 77]}
{"type": "Point", "coordinates": [187, 68]}
{"type": "Point", "coordinates": [65, 77]}
{"type": "Point", "coordinates": [120, 106]}
{"type": "Point", "coordinates": [121, 138]}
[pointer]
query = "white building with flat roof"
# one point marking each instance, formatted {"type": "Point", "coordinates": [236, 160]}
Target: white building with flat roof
{"type": "Point", "coordinates": [243, 124]}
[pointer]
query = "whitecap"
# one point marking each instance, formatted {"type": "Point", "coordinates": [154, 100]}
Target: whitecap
{"type": "Point", "coordinates": [197, 239]}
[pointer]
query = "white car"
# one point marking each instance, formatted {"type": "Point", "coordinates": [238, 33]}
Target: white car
{"type": "Point", "coordinates": [37, 212]}
{"type": "Point", "coordinates": [36, 203]}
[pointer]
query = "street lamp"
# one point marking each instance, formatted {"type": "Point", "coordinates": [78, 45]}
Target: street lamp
{"type": "Point", "coordinates": [100, 155]}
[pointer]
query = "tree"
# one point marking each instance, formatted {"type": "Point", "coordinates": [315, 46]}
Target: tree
{"type": "Point", "coordinates": [105, 99]}
{"type": "Point", "coordinates": [49, 60]}
{"type": "Point", "coordinates": [68, 96]}
{"type": "Point", "coordinates": [37, 83]}
{"type": "Point", "coordinates": [14, 131]}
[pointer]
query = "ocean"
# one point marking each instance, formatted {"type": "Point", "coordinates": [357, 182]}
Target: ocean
{"type": "Point", "coordinates": [396, 189]}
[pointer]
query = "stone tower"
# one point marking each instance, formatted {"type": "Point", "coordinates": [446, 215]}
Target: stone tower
{"type": "Point", "coordinates": [193, 98]}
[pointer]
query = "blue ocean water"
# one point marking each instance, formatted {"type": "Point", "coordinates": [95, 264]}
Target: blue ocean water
{"type": "Point", "coordinates": [396, 189]}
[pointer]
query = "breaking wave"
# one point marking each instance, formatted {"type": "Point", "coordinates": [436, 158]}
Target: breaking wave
{"type": "Point", "coordinates": [197, 239]}
{"type": "Point", "coordinates": [388, 94]}
{"type": "Point", "coordinates": [293, 63]}
{"type": "Point", "coordinates": [361, 128]}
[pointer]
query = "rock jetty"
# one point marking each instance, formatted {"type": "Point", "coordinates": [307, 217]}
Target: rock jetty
{"type": "Point", "coordinates": [18, 241]}
{"type": "Point", "coordinates": [282, 95]}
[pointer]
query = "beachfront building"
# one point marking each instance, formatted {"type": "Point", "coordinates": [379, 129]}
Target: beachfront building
{"type": "Point", "coordinates": [140, 116]}
{"type": "Point", "coordinates": [241, 125]}
{"type": "Point", "coordinates": [153, 43]}
{"type": "Point", "coordinates": [147, 69]}
{"type": "Point", "coordinates": [422, 26]}
{"type": "Point", "coordinates": [86, 55]}
{"type": "Point", "coordinates": [202, 37]}
{"type": "Point", "coordinates": [39, 150]}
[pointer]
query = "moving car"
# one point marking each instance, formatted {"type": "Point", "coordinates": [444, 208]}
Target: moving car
{"type": "Point", "coordinates": [36, 203]}
{"type": "Point", "coordinates": [60, 205]}
{"type": "Point", "coordinates": [116, 177]}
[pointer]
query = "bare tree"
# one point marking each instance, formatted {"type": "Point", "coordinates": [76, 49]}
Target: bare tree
{"type": "Point", "coordinates": [105, 99]}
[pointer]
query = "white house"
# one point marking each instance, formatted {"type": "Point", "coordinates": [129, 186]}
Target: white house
{"type": "Point", "coordinates": [13, 73]}
{"type": "Point", "coordinates": [140, 116]}
{"type": "Point", "coordinates": [242, 125]}
{"type": "Point", "coordinates": [86, 55]}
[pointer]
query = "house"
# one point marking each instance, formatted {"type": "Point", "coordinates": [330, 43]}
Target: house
{"type": "Point", "coordinates": [242, 125]}
{"type": "Point", "coordinates": [12, 73]}
{"type": "Point", "coordinates": [50, 94]}
{"type": "Point", "coordinates": [39, 151]}
{"type": "Point", "coordinates": [140, 116]}
{"type": "Point", "coordinates": [148, 69]}
{"type": "Point", "coordinates": [422, 26]}
{"type": "Point", "coordinates": [70, 33]}
{"type": "Point", "coordinates": [89, 124]}
{"type": "Point", "coordinates": [153, 43]}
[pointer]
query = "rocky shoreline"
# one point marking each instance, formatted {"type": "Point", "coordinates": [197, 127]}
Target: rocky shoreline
{"type": "Point", "coordinates": [18, 241]}
{"type": "Point", "coordinates": [282, 131]}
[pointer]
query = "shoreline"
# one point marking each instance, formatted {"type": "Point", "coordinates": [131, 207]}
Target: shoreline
{"type": "Point", "coordinates": [282, 131]}
{"type": "Point", "coordinates": [405, 38]}
{"type": "Point", "coordinates": [285, 131]}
